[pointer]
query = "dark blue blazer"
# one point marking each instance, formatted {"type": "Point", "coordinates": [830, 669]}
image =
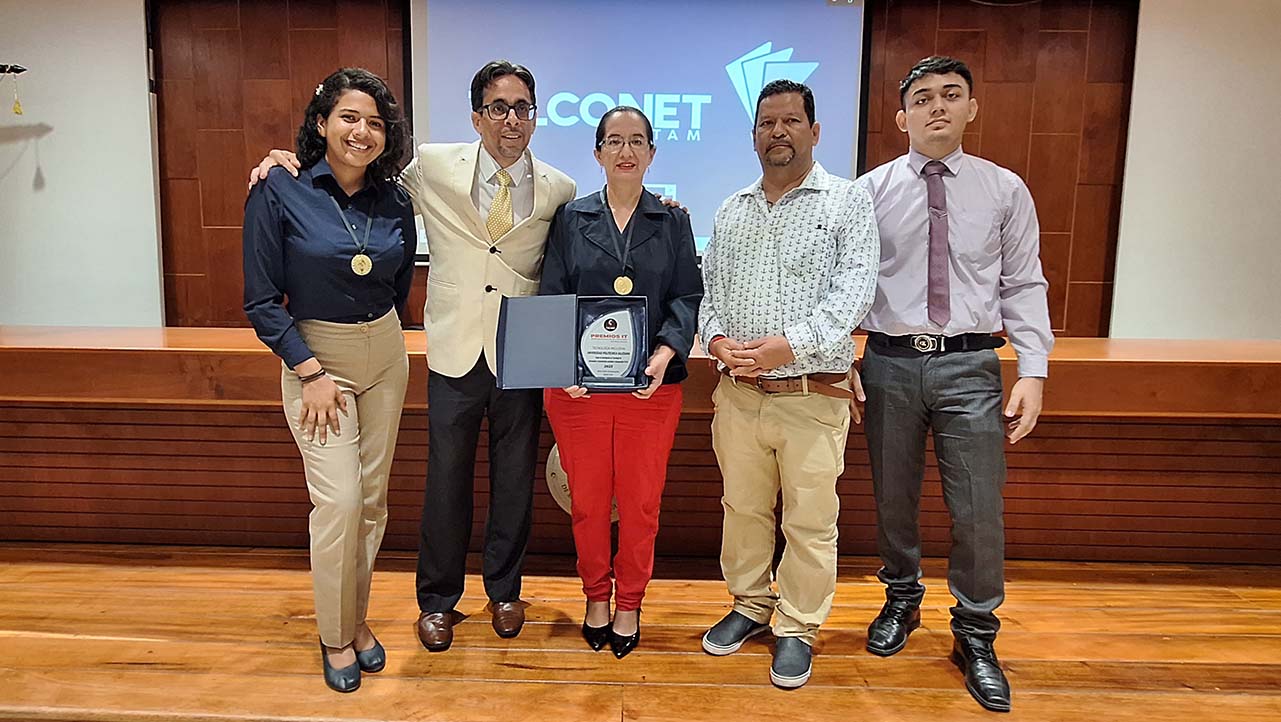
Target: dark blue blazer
{"type": "Point", "coordinates": [582, 258]}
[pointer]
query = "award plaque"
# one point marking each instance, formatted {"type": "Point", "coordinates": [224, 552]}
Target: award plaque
{"type": "Point", "coordinates": [598, 342]}
{"type": "Point", "coordinates": [613, 343]}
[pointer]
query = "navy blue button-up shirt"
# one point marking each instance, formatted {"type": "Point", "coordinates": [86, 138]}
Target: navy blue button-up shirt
{"type": "Point", "coordinates": [298, 255]}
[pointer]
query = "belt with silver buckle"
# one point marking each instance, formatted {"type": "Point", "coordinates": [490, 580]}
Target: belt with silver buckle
{"type": "Point", "coordinates": [936, 343]}
{"type": "Point", "coordinates": [926, 343]}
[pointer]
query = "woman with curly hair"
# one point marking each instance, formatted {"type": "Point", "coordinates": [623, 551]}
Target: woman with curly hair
{"type": "Point", "coordinates": [328, 261]}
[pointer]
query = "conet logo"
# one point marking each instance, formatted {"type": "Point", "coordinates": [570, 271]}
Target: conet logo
{"type": "Point", "coordinates": [761, 66]}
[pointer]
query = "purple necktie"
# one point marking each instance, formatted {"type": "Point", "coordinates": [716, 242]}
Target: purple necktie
{"type": "Point", "coordinates": [940, 304]}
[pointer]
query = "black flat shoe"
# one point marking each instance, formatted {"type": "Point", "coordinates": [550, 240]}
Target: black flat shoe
{"type": "Point", "coordinates": [373, 659]}
{"type": "Point", "coordinates": [622, 645]}
{"type": "Point", "coordinates": [346, 679]}
{"type": "Point", "coordinates": [596, 637]}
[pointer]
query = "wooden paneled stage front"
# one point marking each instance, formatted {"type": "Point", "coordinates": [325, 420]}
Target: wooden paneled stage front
{"type": "Point", "coordinates": [168, 634]}
{"type": "Point", "coordinates": [1148, 451]}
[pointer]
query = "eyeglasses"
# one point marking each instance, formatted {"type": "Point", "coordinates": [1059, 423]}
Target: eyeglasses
{"type": "Point", "coordinates": [615, 143]}
{"type": "Point", "coordinates": [499, 109]}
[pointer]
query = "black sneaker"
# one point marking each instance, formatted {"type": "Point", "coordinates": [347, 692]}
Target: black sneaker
{"type": "Point", "coordinates": [791, 666]}
{"type": "Point", "coordinates": [727, 635]}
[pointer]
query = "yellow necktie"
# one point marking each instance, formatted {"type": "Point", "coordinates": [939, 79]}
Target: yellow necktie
{"type": "Point", "coordinates": [500, 211]}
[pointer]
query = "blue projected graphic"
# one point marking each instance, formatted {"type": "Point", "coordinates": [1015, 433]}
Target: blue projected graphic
{"type": "Point", "coordinates": [694, 68]}
{"type": "Point", "coordinates": [754, 71]}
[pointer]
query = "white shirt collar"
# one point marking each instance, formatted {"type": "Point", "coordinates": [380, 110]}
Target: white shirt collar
{"type": "Point", "coordinates": [817, 179]}
{"type": "Point", "coordinates": [488, 167]}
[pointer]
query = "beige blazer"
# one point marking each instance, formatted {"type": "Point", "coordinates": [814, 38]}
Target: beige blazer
{"type": "Point", "coordinates": [462, 317]}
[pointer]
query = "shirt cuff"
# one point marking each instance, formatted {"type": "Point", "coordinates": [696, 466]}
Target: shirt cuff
{"type": "Point", "coordinates": [708, 330]}
{"type": "Point", "coordinates": [294, 351]}
{"type": "Point", "coordinates": [802, 339]}
{"type": "Point", "coordinates": [1034, 366]}
{"type": "Point", "coordinates": [673, 341]}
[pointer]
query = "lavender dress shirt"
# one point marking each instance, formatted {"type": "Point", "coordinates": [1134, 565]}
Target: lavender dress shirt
{"type": "Point", "coordinates": [995, 266]}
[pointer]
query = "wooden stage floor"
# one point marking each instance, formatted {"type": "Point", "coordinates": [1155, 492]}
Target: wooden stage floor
{"type": "Point", "coordinates": [172, 633]}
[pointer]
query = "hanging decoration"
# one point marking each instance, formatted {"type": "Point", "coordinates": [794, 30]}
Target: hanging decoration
{"type": "Point", "coordinates": [7, 69]}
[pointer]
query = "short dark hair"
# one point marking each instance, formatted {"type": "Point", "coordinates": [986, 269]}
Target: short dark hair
{"type": "Point", "coordinates": [312, 146]}
{"type": "Point", "coordinates": [493, 70]}
{"type": "Point", "coordinates": [600, 127]}
{"type": "Point", "coordinates": [778, 87]}
{"type": "Point", "coordinates": [934, 65]}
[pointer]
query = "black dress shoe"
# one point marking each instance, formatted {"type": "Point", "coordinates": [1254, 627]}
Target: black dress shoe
{"type": "Point", "coordinates": [597, 637]}
{"type": "Point", "coordinates": [373, 659]}
{"type": "Point", "coordinates": [622, 645]}
{"type": "Point", "coordinates": [887, 634]}
{"type": "Point", "coordinates": [346, 679]}
{"type": "Point", "coordinates": [983, 676]}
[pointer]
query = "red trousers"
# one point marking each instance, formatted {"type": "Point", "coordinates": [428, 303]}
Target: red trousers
{"type": "Point", "coordinates": [615, 446]}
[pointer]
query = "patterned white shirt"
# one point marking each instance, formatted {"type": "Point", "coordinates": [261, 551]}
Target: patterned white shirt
{"type": "Point", "coordinates": [804, 268]}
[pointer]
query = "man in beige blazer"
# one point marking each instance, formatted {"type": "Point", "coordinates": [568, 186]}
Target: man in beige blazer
{"type": "Point", "coordinates": [486, 206]}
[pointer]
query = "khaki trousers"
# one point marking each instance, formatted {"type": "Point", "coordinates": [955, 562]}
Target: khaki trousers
{"type": "Point", "coordinates": [347, 477]}
{"type": "Point", "coordinates": [766, 442]}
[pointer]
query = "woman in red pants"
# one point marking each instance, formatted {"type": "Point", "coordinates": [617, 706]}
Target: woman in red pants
{"type": "Point", "coordinates": [622, 240]}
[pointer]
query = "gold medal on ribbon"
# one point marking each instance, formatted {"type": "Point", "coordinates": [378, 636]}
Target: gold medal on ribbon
{"type": "Point", "coordinates": [361, 265]}
{"type": "Point", "coordinates": [623, 285]}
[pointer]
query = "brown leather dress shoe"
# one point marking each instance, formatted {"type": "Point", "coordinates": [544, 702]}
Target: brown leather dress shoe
{"type": "Point", "coordinates": [509, 617]}
{"type": "Point", "coordinates": [436, 630]}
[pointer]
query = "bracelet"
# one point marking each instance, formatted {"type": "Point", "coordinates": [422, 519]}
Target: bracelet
{"type": "Point", "coordinates": [311, 377]}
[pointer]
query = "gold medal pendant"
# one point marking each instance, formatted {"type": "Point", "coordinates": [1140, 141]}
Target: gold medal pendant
{"type": "Point", "coordinates": [623, 285]}
{"type": "Point", "coordinates": [361, 265]}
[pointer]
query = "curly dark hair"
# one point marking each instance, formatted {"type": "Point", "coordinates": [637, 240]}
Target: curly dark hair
{"type": "Point", "coordinates": [311, 144]}
{"type": "Point", "coordinates": [493, 70]}
{"type": "Point", "coordinates": [934, 65]}
{"type": "Point", "coordinates": [778, 87]}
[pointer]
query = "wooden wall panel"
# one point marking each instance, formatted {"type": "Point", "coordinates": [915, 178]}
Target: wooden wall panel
{"type": "Point", "coordinates": [262, 29]}
{"type": "Point", "coordinates": [1150, 450]}
{"type": "Point", "coordinates": [1060, 75]}
{"type": "Point", "coordinates": [1103, 139]}
{"type": "Point", "coordinates": [1079, 488]}
{"type": "Point", "coordinates": [1053, 83]}
{"type": "Point", "coordinates": [274, 118]}
{"type": "Point", "coordinates": [176, 103]}
{"type": "Point", "coordinates": [1052, 78]}
{"type": "Point", "coordinates": [1098, 214]}
{"type": "Point", "coordinates": [1053, 189]}
{"type": "Point", "coordinates": [215, 14]}
{"type": "Point", "coordinates": [233, 78]}
{"type": "Point", "coordinates": [362, 35]}
{"type": "Point", "coordinates": [217, 57]}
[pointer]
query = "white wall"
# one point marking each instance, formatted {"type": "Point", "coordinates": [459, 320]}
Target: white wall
{"type": "Point", "coordinates": [1200, 239]}
{"type": "Point", "coordinates": [79, 243]}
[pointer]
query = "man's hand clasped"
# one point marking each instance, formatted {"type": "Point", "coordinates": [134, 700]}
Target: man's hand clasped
{"type": "Point", "coordinates": [753, 358]}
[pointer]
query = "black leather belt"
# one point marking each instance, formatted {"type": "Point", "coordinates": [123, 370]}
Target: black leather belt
{"type": "Point", "coordinates": [930, 343]}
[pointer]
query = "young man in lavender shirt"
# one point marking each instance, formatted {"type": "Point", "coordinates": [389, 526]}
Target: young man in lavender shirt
{"type": "Point", "coordinates": [959, 260]}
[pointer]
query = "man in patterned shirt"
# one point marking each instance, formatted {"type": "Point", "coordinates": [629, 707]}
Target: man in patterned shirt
{"type": "Point", "coordinates": [789, 272]}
